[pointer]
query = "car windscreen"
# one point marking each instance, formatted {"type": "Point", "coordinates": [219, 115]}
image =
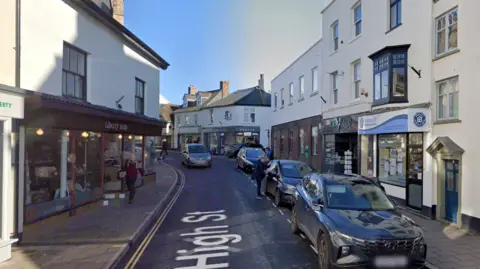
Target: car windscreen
{"type": "Point", "coordinates": [295, 170]}
{"type": "Point", "coordinates": [197, 149]}
{"type": "Point", "coordinates": [254, 153]}
{"type": "Point", "coordinates": [356, 195]}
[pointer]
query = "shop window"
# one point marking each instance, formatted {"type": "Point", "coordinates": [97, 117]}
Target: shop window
{"type": "Point", "coordinates": [392, 160]}
{"type": "Point", "coordinates": [282, 139]}
{"type": "Point", "coordinates": [302, 141]}
{"type": "Point", "coordinates": [315, 140]}
{"type": "Point", "coordinates": [290, 142]}
{"type": "Point", "coordinates": [367, 161]}
{"type": "Point", "coordinates": [390, 76]}
{"type": "Point", "coordinates": [74, 72]}
{"type": "Point", "coordinates": [139, 96]}
{"type": "Point", "coordinates": [152, 148]}
{"type": "Point", "coordinates": [88, 167]}
{"type": "Point", "coordinates": [112, 161]}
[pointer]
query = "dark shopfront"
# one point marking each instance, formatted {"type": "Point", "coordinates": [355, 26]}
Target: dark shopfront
{"type": "Point", "coordinates": [74, 152]}
{"type": "Point", "coordinates": [340, 144]}
{"type": "Point", "coordinates": [220, 139]}
{"type": "Point", "coordinates": [298, 140]}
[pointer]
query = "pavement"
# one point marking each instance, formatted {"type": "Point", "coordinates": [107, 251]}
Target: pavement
{"type": "Point", "coordinates": [98, 235]}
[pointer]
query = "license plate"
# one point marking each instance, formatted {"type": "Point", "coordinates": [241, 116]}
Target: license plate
{"type": "Point", "coordinates": [391, 262]}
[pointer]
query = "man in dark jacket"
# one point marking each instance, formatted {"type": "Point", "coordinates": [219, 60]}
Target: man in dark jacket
{"type": "Point", "coordinates": [259, 173]}
{"type": "Point", "coordinates": [131, 178]}
{"type": "Point", "coordinates": [164, 148]}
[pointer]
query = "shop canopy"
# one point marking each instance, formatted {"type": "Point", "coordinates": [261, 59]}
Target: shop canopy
{"type": "Point", "coordinates": [50, 111]}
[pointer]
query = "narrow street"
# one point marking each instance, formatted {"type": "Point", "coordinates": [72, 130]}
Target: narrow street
{"type": "Point", "coordinates": [242, 232]}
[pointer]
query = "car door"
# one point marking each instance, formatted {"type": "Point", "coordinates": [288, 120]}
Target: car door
{"type": "Point", "coordinates": [314, 190]}
{"type": "Point", "coordinates": [269, 179]}
{"type": "Point", "coordinates": [301, 204]}
{"type": "Point", "coordinates": [184, 154]}
{"type": "Point", "coordinates": [240, 155]}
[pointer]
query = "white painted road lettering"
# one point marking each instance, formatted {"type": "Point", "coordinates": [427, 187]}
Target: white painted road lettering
{"type": "Point", "coordinates": [210, 241]}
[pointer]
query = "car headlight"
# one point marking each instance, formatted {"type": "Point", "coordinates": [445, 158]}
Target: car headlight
{"type": "Point", "coordinates": [209, 157]}
{"type": "Point", "coordinates": [296, 194]}
{"type": "Point", "coordinates": [248, 162]}
{"type": "Point", "coordinates": [290, 187]}
{"type": "Point", "coordinates": [349, 238]}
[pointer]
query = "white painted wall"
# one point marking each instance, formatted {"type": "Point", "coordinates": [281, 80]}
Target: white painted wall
{"type": "Point", "coordinates": [311, 105]}
{"type": "Point", "coordinates": [466, 65]}
{"type": "Point", "coordinates": [111, 65]}
{"type": "Point", "coordinates": [7, 45]}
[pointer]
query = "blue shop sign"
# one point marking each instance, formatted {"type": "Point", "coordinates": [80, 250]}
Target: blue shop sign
{"type": "Point", "coordinates": [400, 121]}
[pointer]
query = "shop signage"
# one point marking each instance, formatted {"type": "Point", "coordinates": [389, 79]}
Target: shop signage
{"type": "Point", "coordinates": [341, 123]}
{"type": "Point", "coordinates": [400, 121]}
{"type": "Point", "coordinates": [11, 106]}
{"type": "Point", "coordinates": [114, 126]}
{"type": "Point", "coordinates": [344, 124]}
{"type": "Point", "coordinates": [228, 115]}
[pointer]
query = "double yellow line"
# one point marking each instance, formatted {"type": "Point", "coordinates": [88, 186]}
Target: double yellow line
{"type": "Point", "coordinates": [141, 249]}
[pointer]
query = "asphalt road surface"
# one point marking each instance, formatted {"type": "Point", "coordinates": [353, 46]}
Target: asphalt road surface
{"type": "Point", "coordinates": [217, 223]}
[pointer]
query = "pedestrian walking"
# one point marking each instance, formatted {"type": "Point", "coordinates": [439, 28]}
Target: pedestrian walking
{"type": "Point", "coordinates": [268, 152]}
{"type": "Point", "coordinates": [164, 151]}
{"type": "Point", "coordinates": [259, 174]}
{"type": "Point", "coordinates": [131, 177]}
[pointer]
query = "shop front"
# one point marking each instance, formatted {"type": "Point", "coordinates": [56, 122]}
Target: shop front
{"type": "Point", "coordinates": [340, 144]}
{"type": "Point", "coordinates": [74, 152]}
{"type": "Point", "coordinates": [11, 110]}
{"type": "Point", "coordinates": [220, 139]}
{"type": "Point", "coordinates": [392, 149]}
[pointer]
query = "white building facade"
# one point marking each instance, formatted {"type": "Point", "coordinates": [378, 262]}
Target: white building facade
{"type": "Point", "coordinates": [91, 91]}
{"type": "Point", "coordinates": [297, 105]}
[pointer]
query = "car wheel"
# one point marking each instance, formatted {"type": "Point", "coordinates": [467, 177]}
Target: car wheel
{"type": "Point", "coordinates": [295, 229]}
{"type": "Point", "coordinates": [278, 198]}
{"type": "Point", "coordinates": [323, 247]}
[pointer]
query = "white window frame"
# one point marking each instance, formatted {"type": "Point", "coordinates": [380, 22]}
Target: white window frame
{"type": "Point", "coordinates": [446, 29]}
{"type": "Point", "coordinates": [450, 91]}
{"type": "Point", "coordinates": [359, 21]}
{"type": "Point", "coordinates": [315, 79]}
{"type": "Point", "coordinates": [301, 82]}
{"type": "Point", "coordinates": [356, 80]}
{"type": "Point", "coordinates": [291, 92]}
{"type": "Point", "coordinates": [335, 34]}
{"type": "Point", "coordinates": [334, 79]}
{"type": "Point", "coordinates": [282, 97]}
{"type": "Point", "coordinates": [187, 120]}
{"type": "Point", "coordinates": [275, 100]}
{"type": "Point", "coordinates": [212, 119]}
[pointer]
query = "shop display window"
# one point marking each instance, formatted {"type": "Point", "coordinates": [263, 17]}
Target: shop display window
{"type": "Point", "coordinates": [112, 162]}
{"type": "Point", "coordinates": [392, 159]}
{"type": "Point", "coordinates": [153, 146]}
{"type": "Point", "coordinates": [367, 168]}
{"type": "Point", "coordinates": [87, 167]}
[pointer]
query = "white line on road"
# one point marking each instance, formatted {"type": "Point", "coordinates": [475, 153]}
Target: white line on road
{"type": "Point", "coordinates": [302, 236]}
{"type": "Point", "coordinates": [289, 221]}
{"type": "Point", "coordinates": [281, 212]}
{"type": "Point", "coordinates": [269, 198]}
{"type": "Point", "coordinates": [314, 250]}
{"type": "Point", "coordinates": [274, 205]}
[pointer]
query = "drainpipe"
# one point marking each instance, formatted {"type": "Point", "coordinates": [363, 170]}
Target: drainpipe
{"type": "Point", "coordinates": [18, 228]}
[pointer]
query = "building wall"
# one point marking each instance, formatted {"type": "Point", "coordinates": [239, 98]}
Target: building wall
{"type": "Point", "coordinates": [111, 65]}
{"type": "Point", "coordinates": [464, 64]}
{"type": "Point", "coordinates": [312, 104]}
{"type": "Point", "coordinates": [7, 45]}
{"type": "Point", "coordinates": [416, 18]}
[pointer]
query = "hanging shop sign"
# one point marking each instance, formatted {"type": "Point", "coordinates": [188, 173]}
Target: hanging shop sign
{"type": "Point", "coordinates": [400, 121]}
{"type": "Point", "coordinates": [11, 106]}
{"type": "Point", "coordinates": [115, 126]}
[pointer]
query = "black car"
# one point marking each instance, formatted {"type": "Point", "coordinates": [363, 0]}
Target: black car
{"type": "Point", "coordinates": [233, 151]}
{"type": "Point", "coordinates": [247, 158]}
{"type": "Point", "coordinates": [282, 178]}
{"type": "Point", "coordinates": [353, 224]}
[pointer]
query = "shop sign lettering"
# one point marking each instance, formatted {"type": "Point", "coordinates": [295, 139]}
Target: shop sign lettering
{"type": "Point", "coordinates": [5, 104]}
{"type": "Point", "coordinates": [341, 123]}
{"type": "Point", "coordinates": [115, 126]}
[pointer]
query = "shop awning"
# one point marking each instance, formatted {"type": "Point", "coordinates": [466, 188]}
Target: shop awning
{"type": "Point", "coordinates": [50, 111]}
{"type": "Point", "coordinates": [444, 143]}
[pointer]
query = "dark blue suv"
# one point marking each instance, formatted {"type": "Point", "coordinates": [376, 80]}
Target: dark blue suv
{"type": "Point", "coordinates": [353, 224]}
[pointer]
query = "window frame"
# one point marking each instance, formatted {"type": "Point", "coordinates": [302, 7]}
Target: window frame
{"type": "Point", "coordinates": [335, 33]}
{"type": "Point", "coordinates": [291, 92]}
{"type": "Point", "coordinates": [290, 142]}
{"type": "Point", "coordinates": [387, 53]}
{"type": "Point", "coordinates": [275, 97]}
{"type": "Point", "coordinates": [314, 73]}
{"type": "Point", "coordinates": [212, 119]}
{"type": "Point", "coordinates": [301, 83]}
{"type": "Point", "coordinates": [356, 79]}
{"type": "Point", "coordinates": [282, 140]}
{"type": "Point", "coordinates": [301, 140]}
{"type": "Point", "coordinates": [142, 98]}
{"type": "Point", "coordinates": [359, 21]}
{"type": "Point", "coordinates": [447, 95]}
{"type": "Point", "coordinates": [447, 32]}
{"type": "Point", "coordinates": [67, 71]}
{"type": "Point", "coordinates": [187, 120]}
{"type": "Point", "coordinates": [282, 97]}
{"type": "Point", "coordinates": [398, 10]}
{"type": "Point", "coordinates": [314, 139]}
{"type": "Point", "coordinates": [334, 79]}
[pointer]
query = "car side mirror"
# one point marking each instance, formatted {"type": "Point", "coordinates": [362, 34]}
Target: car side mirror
{"type": "Point", "coordinates": [272, 173]}
{"type": "Point", "coordinates": [318, 202]}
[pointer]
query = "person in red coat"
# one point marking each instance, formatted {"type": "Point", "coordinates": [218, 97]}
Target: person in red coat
{"type": "Point", "coordinates": [131, 178]}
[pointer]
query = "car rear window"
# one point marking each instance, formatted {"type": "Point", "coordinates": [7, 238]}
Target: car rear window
{"type": "Point", "coordinates": [254, 153]}
{"type": "Point", "coordinates": [295, 170]}
{"type": "Point", "coordinates": [197, 149]}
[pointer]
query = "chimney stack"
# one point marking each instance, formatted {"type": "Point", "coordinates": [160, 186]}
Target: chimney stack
{"type": "Point", "coordinates": [192, 89]}
{"type": "Point", "coordinates": [261, 82]}
{"type": "Point", "coordinates": [225, 87]}
{"type": "Point", "coordinates": [118, 14]}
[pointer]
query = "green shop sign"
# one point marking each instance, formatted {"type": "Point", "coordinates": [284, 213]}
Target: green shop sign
{"type": "Point", "coordinates": [5, 104]}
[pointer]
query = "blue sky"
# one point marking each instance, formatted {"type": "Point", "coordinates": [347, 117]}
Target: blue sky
{"type": "Point", "coordinates": [206, 41]}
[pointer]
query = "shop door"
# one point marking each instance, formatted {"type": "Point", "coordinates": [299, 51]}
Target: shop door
{"type": "Point", "coordinates": [451, 190]}
{"type": "Point", "coordinates": [414, 191]}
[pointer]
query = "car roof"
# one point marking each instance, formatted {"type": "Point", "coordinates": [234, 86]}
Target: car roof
{"type": "Point", "coordinates": [343, 178]}
{"type": "Point", "coordinates": [195, 144]}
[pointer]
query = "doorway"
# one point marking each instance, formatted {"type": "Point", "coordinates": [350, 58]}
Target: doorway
{"type": "Point", "coordinates": [451, 190]}
{"type": "Point", "coordinates": [414, 180]}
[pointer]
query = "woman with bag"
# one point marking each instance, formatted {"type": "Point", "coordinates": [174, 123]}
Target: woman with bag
{"type": "Point", "coordinates": [131, 177]}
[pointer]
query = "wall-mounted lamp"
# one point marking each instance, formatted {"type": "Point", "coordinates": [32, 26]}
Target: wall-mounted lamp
{"type": "Point", "coordinates": [39, 132]}
{"type": "Point", "coordinates": [130, 137]}
{"type": "Point", "coordinates": [68, 133]}
{"type": "Point", "coordinates": [85, 134]}
{"type": "Point", "coordinates": [120, 136]}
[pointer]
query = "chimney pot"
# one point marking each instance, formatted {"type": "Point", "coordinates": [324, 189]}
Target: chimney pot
{"type": "Point", "coordinates": [192, 89]}
{"type": "Point", "coordinates": [225, 87]}
{"type": "Point", "coordinates": [261, 82]}
{"type": "Point", "coordinates": [118, 12]}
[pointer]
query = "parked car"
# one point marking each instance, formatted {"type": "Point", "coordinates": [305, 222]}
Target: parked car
{"type": "Point", "coordinates": [247, 158]}
{"type": "Point", "coordinates": [354, 224]}
{"type": "Point", "coordinates": [233, 151]}
{"type": "Point", "coordinates": [196, 155]}
{"type": "Point", "coordinates": [282, 178]}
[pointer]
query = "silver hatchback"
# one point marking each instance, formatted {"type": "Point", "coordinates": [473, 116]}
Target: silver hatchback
{"type": "Point", "coordinates": [196, 155]}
